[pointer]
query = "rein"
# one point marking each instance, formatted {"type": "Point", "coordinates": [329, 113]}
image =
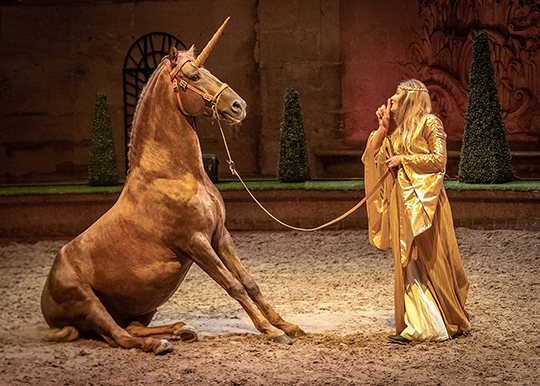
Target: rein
{"type": "Point", "coordinates": [213, 100]}
{"type": "Point", "coordinates": [353, 209]}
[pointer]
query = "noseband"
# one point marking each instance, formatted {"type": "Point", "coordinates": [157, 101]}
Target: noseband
{"type": "Point", "coordinates": [182, 84]}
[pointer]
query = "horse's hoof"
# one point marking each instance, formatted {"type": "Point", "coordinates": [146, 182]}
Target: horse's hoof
{"type": "Point", "coordinates": [188, 334]}
{"type": "Point", "coordinates": [283, 339]}
{"type": "Point", "coordinates": [162, 347]}
{"type": "Point", "coordinates": [65, 334]}
{"type": "Point", "coordinates": [296, 332]}
{"type": "Point", "coordinates": [177, 327]}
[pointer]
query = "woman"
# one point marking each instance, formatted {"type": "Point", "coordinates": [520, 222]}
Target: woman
{"type": "Point", "coordinates": [410, 213]}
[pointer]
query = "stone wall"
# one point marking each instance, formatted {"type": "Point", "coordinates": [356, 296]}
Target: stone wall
{"type": "Point", "coordinates": [344, 57]}
{"type": "Point", "coordinates": [387, 41]}
{"type": "Point", "coordinates": [299, 48]}
{"type": "Point", "coordinates": [54, 58]}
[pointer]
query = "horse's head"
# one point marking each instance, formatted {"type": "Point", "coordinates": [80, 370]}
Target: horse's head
{"type": "Point", "coordinates": [198, 91]}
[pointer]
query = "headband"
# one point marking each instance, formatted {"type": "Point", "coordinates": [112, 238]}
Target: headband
{"type": "Point", "coordinates": [412, 89]}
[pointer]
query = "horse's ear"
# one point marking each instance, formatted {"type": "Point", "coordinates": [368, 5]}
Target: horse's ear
{"type": "Point", "coordinates": [191, 51]}
{"type": "Point", "coordinates": [173, 55]}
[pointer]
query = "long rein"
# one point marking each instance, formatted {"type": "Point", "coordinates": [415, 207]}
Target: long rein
{"type": "Point", "coordinates": [353, 209]}
{"type": "Point", "coordinates": [215, 114]}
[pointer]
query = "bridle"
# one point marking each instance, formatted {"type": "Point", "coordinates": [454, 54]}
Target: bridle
{"type": "Point", "coordinates": [181, 84]}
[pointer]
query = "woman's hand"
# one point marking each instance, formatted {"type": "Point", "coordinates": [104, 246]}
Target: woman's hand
{"type": "Point", "coordinates": [394, 162]}
{"type": "Point", "coordinates": [383, 115]}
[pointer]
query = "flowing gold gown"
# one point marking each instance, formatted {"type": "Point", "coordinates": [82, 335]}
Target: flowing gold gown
{"type": "Point", "coordinates": [410, 213]}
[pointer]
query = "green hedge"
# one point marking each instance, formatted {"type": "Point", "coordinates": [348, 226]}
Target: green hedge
{"type": "Point", "coordinates": [293, 163]}
{"type": "Point", "coordinates": [485, 155]}
{"type": "Point", "coordinates": [102, 166]}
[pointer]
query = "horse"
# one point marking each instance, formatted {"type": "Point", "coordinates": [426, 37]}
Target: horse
{"type": "Point", "coordinates": [112, 277]}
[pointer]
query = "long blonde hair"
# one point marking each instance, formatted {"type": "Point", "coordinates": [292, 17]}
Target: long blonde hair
{"type": "Point", "coordinates": [413, 106]}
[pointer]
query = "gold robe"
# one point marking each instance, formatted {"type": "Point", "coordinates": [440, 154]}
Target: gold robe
{"type": "Point", "coordinates": [410, 213]}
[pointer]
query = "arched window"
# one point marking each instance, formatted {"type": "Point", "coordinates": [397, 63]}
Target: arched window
{"type": "Point", "coordinates": [141, 60]}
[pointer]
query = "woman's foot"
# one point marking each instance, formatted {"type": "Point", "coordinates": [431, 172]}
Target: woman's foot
{"type": "Point", "coordinates": [398, 339]}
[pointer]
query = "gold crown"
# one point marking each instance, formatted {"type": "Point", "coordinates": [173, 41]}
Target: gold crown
{"type": "Point", "coordinates": [413, 89]}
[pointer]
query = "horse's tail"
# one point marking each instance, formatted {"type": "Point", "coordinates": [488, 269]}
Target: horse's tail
{"type": "Point", "coordinates": [64, 334]}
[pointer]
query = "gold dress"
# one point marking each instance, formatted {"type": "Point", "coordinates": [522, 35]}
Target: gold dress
{"type": "Point", "coordinates": [410, 213]}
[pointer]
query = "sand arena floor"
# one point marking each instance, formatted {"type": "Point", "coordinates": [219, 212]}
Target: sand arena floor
{"type": "Point", "coordinates": [336, 286]}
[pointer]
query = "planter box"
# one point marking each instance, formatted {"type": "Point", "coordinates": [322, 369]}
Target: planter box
{"type": "Point", "coordinates": [67, 215]}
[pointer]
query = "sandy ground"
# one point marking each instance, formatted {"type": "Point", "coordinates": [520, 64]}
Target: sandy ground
{"type": "Point", "coordinates": [336, 286]}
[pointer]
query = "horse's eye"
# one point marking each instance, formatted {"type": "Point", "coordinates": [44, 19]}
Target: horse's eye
{"type": "Point", "coordinates": [194, 78]}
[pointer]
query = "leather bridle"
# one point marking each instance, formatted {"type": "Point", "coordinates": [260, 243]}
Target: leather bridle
{"type": "Point", "coordinates": [181, 84]}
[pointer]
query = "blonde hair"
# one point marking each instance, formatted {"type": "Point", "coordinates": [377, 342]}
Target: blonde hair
{"type": "Point", "coordinates": [413, 106]}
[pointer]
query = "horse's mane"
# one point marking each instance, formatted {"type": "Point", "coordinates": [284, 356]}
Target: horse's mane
{"type": "Point", "coordinates": [142, 99]}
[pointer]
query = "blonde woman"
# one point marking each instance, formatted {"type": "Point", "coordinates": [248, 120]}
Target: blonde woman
{"type": "Point", "coordinates": [410, 213]}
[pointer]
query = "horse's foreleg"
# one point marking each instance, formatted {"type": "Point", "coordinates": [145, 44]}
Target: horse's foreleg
{"type": "Point", "coordinates": [205, 257]}
{"type": "Point", "coordinates": [178, 330]}
{"type": "Point", "coordinates": [228, 254]}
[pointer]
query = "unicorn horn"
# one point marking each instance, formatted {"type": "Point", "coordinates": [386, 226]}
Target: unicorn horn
{"type": "Point", "coordinates": [204, 54]}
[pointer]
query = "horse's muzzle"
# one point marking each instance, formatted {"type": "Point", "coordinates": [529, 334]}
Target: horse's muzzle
{"type": "Point", "coordinates": [231, 107]}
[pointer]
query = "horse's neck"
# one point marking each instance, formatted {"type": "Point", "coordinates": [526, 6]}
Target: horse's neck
{"type": "Point", "coordinates": [165, 144]}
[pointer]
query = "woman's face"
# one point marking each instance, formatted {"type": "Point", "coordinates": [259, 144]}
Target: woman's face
{"type": "Point", "coordinates": [396, 99]}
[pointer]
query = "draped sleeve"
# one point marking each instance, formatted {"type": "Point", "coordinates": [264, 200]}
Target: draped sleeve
{"type": "Point", "coordinates": [377, 204]}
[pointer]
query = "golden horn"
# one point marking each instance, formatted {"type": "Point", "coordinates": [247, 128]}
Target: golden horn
{"type": "Point", "coordinates": [204, 54]}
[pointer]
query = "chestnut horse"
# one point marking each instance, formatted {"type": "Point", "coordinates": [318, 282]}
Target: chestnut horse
{"type": "Point", "coordinates": [112, 277]}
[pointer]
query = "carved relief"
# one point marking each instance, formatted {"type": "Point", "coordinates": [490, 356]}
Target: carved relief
{"type": "Point", "coordinates": [441, 58]}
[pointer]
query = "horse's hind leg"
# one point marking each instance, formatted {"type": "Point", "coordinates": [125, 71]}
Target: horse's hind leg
{"type": "Point", "coordinates": [67, 302]}
{"type": "Point", "coordinates": [205, 257]}
{"type": "Point", "coordinates": [228, 254]}
{"type": "Point", "coordinates": [99, 320]}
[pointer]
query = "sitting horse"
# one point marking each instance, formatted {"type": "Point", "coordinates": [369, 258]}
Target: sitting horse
{"type": "Point", "coordinates": [111, 278]}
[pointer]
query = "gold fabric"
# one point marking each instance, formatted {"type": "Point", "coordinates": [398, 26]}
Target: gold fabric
{"type": "Point", "coordinates": [410, 213]}
{"type": "Point", "coordinates": [422, 316]}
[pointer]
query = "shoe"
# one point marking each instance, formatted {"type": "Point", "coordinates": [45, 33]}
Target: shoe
{"type": "Point", "coordinates": [398, 339]}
